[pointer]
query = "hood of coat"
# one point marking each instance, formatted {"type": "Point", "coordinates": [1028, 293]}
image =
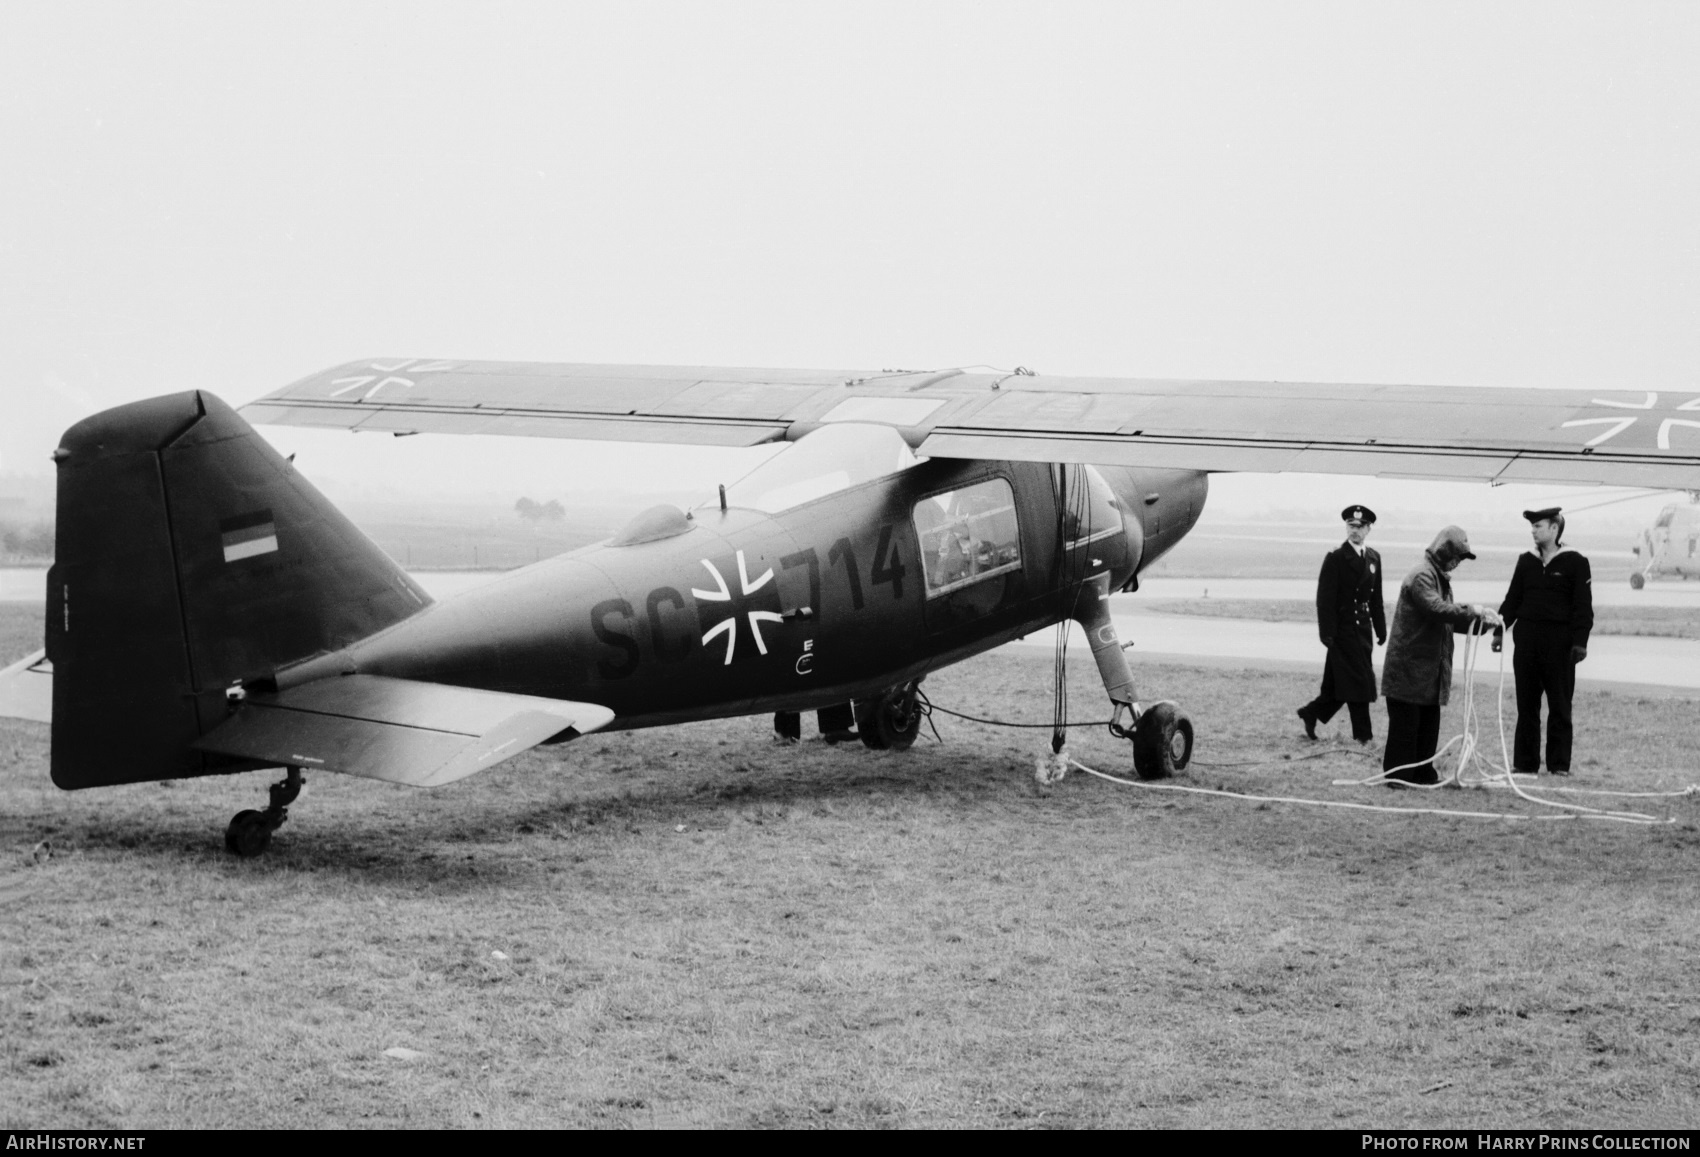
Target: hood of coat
{"type": "Point", "coordinates": [1450, 546]}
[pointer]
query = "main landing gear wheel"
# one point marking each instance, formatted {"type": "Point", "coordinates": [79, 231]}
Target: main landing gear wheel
{"type": "Point", "coordinates": [892, 721]}
{"type": "Point", "coordinates": [1162, 742]}
{"type": "Point", "coordinates": [250, 832]}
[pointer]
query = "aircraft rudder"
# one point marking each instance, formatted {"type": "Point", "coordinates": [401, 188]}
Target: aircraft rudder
{"type": "Point", "coordinates": [190, 556]}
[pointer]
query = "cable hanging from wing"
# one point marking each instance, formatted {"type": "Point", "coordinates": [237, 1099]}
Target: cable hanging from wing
{"type": "Point", "coordinates": [1073, 522]}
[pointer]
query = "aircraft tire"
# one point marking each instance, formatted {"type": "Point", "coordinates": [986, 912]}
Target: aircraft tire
{"type": "Point", "coordinates": [867, 724]}
{"type": "Point", "coordinates": [890, 722]}
{"type": "Point", "coordinates": [1162, 742]}
{"type": "Point", "coordinates": [248, 834]}
{"type": "Point", "coordinates": [1637, 581]}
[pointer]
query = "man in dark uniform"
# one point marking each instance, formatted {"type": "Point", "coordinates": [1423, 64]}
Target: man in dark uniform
{"type": "Point", "coordinates": [1551, 606]}
{"type": "Point", "coordinates": [1348, 609]}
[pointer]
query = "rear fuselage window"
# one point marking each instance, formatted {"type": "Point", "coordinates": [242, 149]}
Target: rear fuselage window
{"type": "Point", "coordinates": [968, 535]}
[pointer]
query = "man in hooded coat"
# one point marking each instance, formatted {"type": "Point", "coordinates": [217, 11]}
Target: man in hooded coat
{"type": "Point", "coordinates": [1416, 674]}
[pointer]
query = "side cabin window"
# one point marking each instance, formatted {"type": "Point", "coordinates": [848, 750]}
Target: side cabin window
{"type": "Point", "coordinates": [968, 535]}
{"type": "Point", "coordinates": [1089, 505]}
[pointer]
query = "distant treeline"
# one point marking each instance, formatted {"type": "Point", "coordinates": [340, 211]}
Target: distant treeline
{"type": "Point", "coordinates": [532, 511]}
{"type": "Point", "coordinates": [33, 541]}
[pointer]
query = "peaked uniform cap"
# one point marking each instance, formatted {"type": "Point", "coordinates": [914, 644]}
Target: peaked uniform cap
{"type": "Point", "coordinates": [1359, 514]}
{"type": "Point", "coordinates": [1548, 514]}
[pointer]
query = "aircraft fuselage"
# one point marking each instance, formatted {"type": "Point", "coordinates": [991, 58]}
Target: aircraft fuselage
{"type": "Point", "coordinates": [737, 611]}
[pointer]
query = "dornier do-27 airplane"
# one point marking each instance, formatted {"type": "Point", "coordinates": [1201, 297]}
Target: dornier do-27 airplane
{"type": "Point", "coordinates": [209, 611]}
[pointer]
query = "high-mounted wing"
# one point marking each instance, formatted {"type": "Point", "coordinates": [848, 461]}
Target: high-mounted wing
{"type": "Point", "coordinates": [424, 734]}
{"type": "Point", "coordinates": [1640, 438]}
{"type": "Point", "coordinates": [612, 403]}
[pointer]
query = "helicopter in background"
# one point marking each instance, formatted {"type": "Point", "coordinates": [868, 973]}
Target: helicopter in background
{"type": "Point", "coordinates": [1671, 546]}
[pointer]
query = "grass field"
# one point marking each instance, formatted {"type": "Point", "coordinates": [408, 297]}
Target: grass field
{"type": "Point", "coordinates": [697, 927]}
{"type": "Point", "coordinates": [1665, 622]}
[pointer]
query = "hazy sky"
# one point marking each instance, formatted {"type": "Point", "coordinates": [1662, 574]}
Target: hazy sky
{"type": "Point", "coordinates": [231, 196]}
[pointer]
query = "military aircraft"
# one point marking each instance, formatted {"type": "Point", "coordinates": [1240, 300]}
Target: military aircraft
{"type": "Point", "coordinates": [1671, 546]}
{"type": "Point", "coordinates": [209, 611]}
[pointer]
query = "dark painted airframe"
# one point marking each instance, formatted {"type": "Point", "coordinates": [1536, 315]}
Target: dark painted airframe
{"type": "Point", "coordinates": [210, 612]}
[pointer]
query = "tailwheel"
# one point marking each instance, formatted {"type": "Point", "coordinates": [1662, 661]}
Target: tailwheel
{"type": "Point", "coordinates": [1162, 742]}
{"type": "Point", "coordinates": [250, 832]}
{"type": "Point", "coordinates": [891, 721]}
{"type": "Point", "coordinates": [1637, 580]}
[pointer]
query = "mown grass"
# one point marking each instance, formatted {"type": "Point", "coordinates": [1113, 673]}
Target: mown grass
{"type": "Point", "coordinates": [703, 928]}
{"type": "Point", "coordinates": [20, 631]}
{"type": "Point", "coordinates": [1664, 622]}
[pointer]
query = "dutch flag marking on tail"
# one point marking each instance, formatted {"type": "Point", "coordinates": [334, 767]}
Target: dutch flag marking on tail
{"type": "Point", "coordinates": [247, 535]}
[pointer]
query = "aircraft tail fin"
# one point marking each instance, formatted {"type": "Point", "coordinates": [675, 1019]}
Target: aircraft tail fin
{"type": "Point", "coordinates": [190, 556]}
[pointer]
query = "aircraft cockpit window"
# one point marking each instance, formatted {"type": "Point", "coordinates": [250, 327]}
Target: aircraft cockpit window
{"type": "Point", "coordinates": [1665, 517]}
{"type": "Point", "coordinates": [830, 459]}
{"type": "Point", "coordinates": [968, 535]}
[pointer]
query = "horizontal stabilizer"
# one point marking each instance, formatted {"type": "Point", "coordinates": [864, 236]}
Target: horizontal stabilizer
{"type": "Point", "coordinates": [400, 730]}
{"type": "Point", "coordinates": [26, 689]}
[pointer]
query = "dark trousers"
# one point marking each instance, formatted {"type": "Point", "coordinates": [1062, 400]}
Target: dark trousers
{"type": "Point", "coordinates": [831, 721]}
{"type": "Point", "coordinates": [1542, 665]}
{"type": "Point", "coordinates": [1328, 700]}
{"type": "Point", "coordinates": [1325, 705]}
{"type": "Point", "coordinates": [1413, 732]}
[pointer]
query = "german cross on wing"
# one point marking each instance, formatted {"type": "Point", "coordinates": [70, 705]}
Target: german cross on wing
{"type": "Point", "coordinates": [387, 374]}
{"type": "Point", "coordinates": [1656, 430]}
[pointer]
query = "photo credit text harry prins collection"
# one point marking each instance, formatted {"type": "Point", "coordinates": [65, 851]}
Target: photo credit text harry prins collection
{"type": "Point", "coordinates": [1526, 1142]}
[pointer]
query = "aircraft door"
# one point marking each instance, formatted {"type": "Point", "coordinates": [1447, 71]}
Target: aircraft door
{"type": "Point", "coordinates": [970, 546]}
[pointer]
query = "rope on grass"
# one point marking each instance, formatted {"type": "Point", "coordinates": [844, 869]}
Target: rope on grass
{"type": "Point", "coordinates": [1486, 772]}
{"type": "Point", "coordinates": [1336, 803]}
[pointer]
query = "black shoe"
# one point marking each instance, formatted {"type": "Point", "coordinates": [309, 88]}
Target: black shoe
{"type": "Point", "coordinates": [1564, 771]}
{"type": "Point", "coordinates": [1305, 714]}
{"type": "Point", "coordinates": [835, 737]}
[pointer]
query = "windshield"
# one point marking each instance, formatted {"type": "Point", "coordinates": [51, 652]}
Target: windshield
{"type": "Point", "coordinates": [830, 459]}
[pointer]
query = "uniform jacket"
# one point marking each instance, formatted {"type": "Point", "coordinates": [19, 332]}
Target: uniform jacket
{"type": "Point", "coordinates": [1559, 593]}
{"type": "Point", "coordinates": [1418, 665]}
{"type": "Point", "coordinates": [1348, 609]}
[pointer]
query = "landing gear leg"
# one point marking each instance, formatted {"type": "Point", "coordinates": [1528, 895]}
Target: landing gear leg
{"type": "Point", "coordinates": [1161, 733]}
{"type": "Point", "coordinates": [250, 832]}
